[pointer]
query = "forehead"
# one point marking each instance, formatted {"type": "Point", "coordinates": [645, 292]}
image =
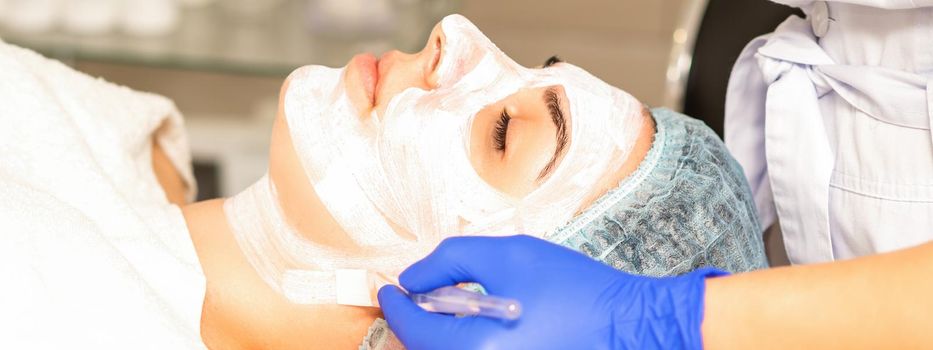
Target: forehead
{"type": "Point", "coordinates": [470, 45]}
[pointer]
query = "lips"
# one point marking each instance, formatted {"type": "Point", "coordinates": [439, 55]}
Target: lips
{"type": "Point", "coordinates": [366, 71]}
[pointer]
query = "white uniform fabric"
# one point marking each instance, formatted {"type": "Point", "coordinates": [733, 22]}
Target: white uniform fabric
{"type": "Point", "coordinates": [833, 132]}
{"type": "Point", "coordinates": [92, 255]}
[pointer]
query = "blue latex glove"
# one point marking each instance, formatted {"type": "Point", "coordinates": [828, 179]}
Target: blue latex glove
{"type": "Point", "coordinates": [569, 301]}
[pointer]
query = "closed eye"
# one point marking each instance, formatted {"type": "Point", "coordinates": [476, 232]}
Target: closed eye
{"type": "Point", "coordinates": [501, 130]}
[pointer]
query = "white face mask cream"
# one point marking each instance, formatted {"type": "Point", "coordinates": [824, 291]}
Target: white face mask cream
{"type": "Point", "coordinates": [401, 182]}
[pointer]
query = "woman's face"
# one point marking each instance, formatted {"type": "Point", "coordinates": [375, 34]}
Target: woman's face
{"type": "Point", "coordinates": [513, 142]}
{"type": "Point", "coordinates": [455, 138]}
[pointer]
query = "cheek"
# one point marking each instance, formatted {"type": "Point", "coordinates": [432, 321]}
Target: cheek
{"type": "Point", "coordinates": [480, 145]}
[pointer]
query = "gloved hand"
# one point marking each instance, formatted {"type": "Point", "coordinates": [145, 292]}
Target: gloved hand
{"type": "Point", "coordinates": [569, 301]}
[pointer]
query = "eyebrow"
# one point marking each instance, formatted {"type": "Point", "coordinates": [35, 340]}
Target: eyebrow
{"type": "Point", "coordinates": [552, 102]}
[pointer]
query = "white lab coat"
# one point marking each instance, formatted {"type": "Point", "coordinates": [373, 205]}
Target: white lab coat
{"type": "Point", "coordinates": [830, 117]}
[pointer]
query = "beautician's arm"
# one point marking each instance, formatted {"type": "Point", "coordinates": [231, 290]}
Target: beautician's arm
{"type": "Point", "coordinates": [881, 301]}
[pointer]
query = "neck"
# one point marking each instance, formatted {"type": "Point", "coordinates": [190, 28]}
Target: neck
{"type": "Point", "coordinates": [241, 310]}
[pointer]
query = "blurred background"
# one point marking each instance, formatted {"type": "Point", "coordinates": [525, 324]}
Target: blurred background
{"type": "Point", "coordinates": [222, 61]}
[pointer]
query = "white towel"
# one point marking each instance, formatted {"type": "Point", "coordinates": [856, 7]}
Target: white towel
{"type": "Point", "coordinates": [92, 254]}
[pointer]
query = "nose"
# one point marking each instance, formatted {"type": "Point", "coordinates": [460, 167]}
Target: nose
{"type": "Point", "coordinates": [399, 71]}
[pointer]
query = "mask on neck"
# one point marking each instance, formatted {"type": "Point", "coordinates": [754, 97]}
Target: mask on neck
{"type": "Point", "coordinates": [401, 182]}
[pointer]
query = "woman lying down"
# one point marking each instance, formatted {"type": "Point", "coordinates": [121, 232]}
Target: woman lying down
{"type": "Point", "coordinates": [371, 166]}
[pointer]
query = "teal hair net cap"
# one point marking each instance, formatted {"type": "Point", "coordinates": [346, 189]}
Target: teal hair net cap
{"type": "Point", "coordinates": [686, 206]}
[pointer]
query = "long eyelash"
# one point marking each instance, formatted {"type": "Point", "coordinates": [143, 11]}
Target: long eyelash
{"type": "Point", "coordinates": [551, 61]}
{"type": "Point", "coordinates": [502, 129]}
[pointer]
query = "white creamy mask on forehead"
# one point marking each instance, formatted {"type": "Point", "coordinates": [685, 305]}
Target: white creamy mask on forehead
{"type": "Point", "coordinates": [401, 182]}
